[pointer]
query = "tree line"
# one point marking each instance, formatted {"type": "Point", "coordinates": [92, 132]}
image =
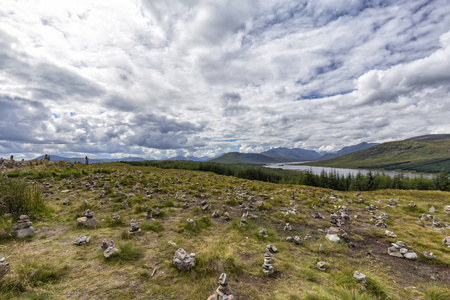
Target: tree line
{"type": "Point", "coordinates": [332, 180]}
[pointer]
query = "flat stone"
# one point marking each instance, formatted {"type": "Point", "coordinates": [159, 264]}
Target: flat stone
{"type": "Point", "coordinates": [395, 253]}
{"type": "Point", "coordinates": [410, 255]}
{"type": "Point", "coordinates": [403, 250]}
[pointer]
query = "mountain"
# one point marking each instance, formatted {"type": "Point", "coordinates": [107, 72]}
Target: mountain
{"type": "Point", "coordinates": [348, 150]}
{"type": "Point", "coordinates": [92, 161]}
{"type": "Point", "coordinates": [245, 158]}
{"type": "Point", "coordinates": [190, 158]}
{"type": "Point", "coordinates": [296, 154]}
{"type": "Point", "coordinates": [428, 153]}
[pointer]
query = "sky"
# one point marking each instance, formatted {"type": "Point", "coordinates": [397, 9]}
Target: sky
{"type": "Point", "coordinates": [160, 78]}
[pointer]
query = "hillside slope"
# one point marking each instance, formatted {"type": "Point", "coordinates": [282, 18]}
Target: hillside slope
{"type": "Point", "coordinates": [296, 154]}
{"type": "Point", "coordinates": [245, 158]}
{"type": "Point", "coordinates": [430, 153]}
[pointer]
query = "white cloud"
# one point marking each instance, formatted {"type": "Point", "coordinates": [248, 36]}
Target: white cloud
{"type": "Point", "coordinates": [159, 78]}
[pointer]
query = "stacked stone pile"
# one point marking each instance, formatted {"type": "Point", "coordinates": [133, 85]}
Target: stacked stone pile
{"type": "Point", "coordinates": [402, 250]}
{"type": "Point", "coordinates": [4, 267]}
{"type": "Point", "coordinates": [223, 292]}
{"type": "Point", "coordinates": [111, 250]}
{"type": "Point", "coordinates": [88, 219]}
{"type": "Point", "coordinates": [22, 228]}
{"type": "Point", "coordinates": [268, 268]}
{"type": "Point", "coordinates": [183, 261]}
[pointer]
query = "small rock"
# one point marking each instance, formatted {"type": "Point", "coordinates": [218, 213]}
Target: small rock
{"type": "Point", "coordinates": [360, 277]}
{"type": "Point", "coordinates": [271, 248]}
{"type": "Point", "coordinates": [410, 255]}
{"type": "Point", "coordinates": [322, 265]}
{"type": "Point", "coordinates": [390, 233]}
{"type": "Point", "coordinates": [432, 209]}
{"type": "Point", "coordinates": [446, 241]}
{"type": "Point", "coordinates": [333, 237]}
{"type": "Point", "coordinates": [429, 255]}
{"type": "Point", "coordinates": [82, 240]}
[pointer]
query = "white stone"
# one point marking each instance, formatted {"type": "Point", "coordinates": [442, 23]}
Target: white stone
{"type": "Point", "coordinates": [332, 237]}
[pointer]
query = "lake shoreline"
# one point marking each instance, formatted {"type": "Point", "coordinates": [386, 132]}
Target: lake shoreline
{"type": "Point", "coordinates": [317, 170]}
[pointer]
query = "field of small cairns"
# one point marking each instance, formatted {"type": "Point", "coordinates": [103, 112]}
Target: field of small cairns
{"type": "Point", "coordinates": [113, 231]}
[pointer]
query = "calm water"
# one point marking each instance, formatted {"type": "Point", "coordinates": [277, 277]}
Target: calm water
{"type": "Point", "coordinates": [340, 171]}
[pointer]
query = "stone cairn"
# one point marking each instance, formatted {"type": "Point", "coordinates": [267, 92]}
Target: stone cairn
{"type": "Point", "coordinates": [88, 219]}
{"type": "Point", "coordinates": [223, 292]}
{"type": "Point", "coordinates": [288, 227]}
{"type": "Point", "coordinates": [149, 213]}
{"type": "Point", "coordinates": [183, 261]}
{"type": "Point", "coordinates": [268, 268]}
{"type": "Point", "coordinates": [263, 232]}
{"type": "Point", "coordinates": [243, 221]}
{"type": "Point", "coordinates": [22, 228]}
{"type": "Point", "coordinates": [82, 240]}
{"type": "Point", "coordinates": [4, 267]}
{"type": "Point", "coordinates": [115, 217]}
{"type": "Point", "coordinates": [402, 250]}
{"type": "Point", "coordinates": [134, 227]}
{"type": "Point", "coordinates": [104, 245]}
{"type": "Point", "coordinates": [111, 250]}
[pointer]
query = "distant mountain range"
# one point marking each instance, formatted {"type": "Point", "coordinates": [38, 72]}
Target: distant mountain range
{"type": "Point", "coordinates": [427, 153]}
{"type": "Point", "coordinates": [278, 155]}
{"type": "Point", "coordinates": [91, 161]}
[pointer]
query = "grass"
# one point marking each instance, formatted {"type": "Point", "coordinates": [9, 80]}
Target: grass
{"type": "Point", "coordinates": [50, 266]}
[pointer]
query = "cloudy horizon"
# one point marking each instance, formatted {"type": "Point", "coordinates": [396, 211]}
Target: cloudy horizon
{"type": "Point", "coordinates": [158, 79]}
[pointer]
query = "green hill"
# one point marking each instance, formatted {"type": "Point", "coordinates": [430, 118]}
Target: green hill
{"type": "Point", "coordinates": [429, 153]}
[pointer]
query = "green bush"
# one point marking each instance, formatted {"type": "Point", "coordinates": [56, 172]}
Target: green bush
{"type": "Point", "coordinates": [128, 252]}
{"type": "Point", "coordinates": [19, 198]}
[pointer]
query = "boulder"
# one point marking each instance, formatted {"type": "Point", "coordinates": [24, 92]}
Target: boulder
{"type": "Point", "coordinates": [89, 222]}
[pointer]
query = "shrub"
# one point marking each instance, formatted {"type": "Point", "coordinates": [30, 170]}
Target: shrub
{"type": "Point", "coordinates": [19, 198]}
{"type": "Point", "coordinates": [128, 252]}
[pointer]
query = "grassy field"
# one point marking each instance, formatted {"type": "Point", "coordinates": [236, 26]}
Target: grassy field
{"type": "Point", "coordinates": [50, 266]}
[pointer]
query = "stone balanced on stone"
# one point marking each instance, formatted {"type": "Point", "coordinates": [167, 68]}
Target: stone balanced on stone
{"type": "Point", "coordinates": [111, 250]}
{"type": "Point", "coordinates": [4, 267]}
{"type": "Point", "coordinates": [104, 245]}
{"type": "Point", "coordinates": [22, 228]}
{"type": "Point", "coordinates": [149, 213]}
{"type": "Point", "coordinates": [402, 250]}
{"type": "Point", "coordinates": [183, 261]}
{"type": "Point", "coordinates": [223, 292]}
{"type": "Point", "coordinates": [268, 268]}
{"type": "Point", "coordinates": [134, 227]}
{"type": "Point", "coordinates": [88, 220]}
